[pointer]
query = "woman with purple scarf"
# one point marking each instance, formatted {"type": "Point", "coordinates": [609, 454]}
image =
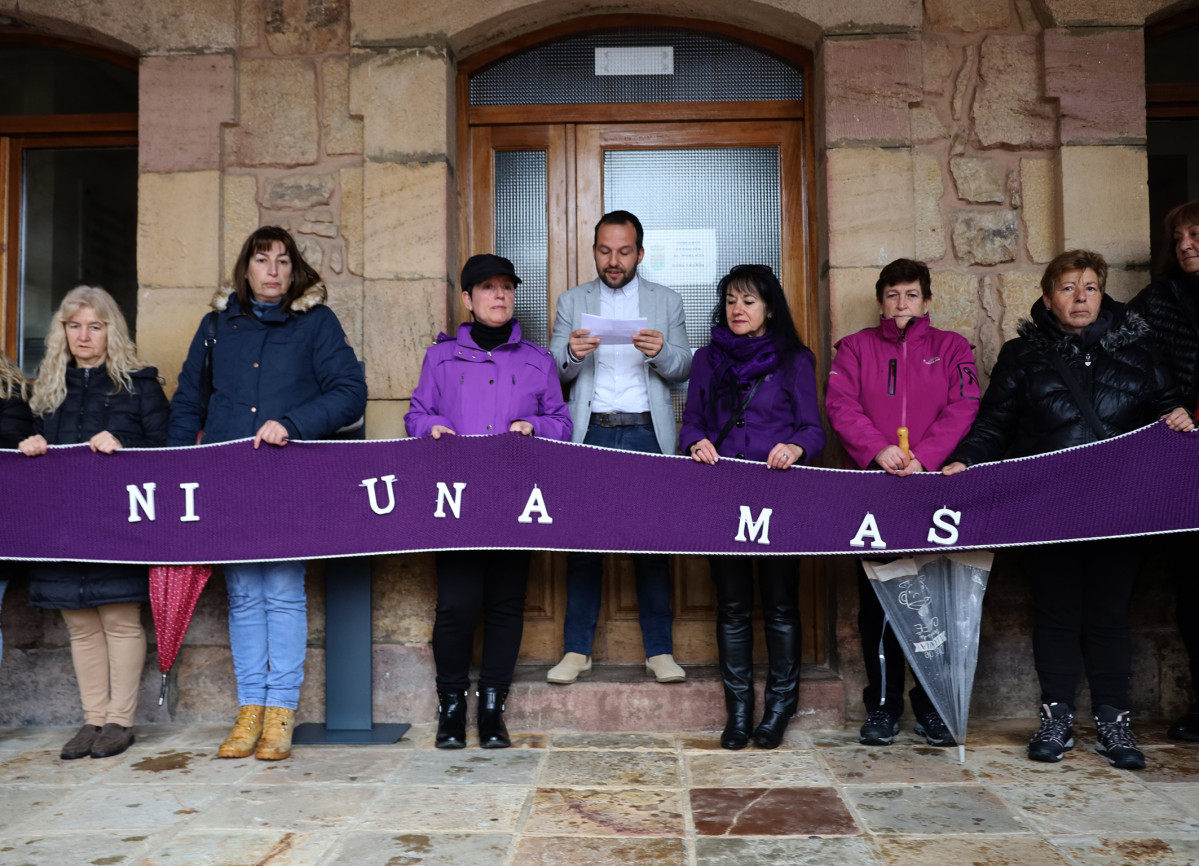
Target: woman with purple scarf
{"type": "Point", "coordinates": [752, 396]}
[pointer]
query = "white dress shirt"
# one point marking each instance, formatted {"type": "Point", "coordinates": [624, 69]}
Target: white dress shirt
{"type": "Point", "coordinates": [620, 384]}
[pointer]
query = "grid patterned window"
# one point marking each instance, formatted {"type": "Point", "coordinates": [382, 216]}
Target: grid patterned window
{"type": "Point", "coordinates": [521, 235]}
{"type": "Point", "coordinates": [644, 65]}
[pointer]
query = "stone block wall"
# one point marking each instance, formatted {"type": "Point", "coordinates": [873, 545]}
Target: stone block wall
{"type": "Point", "coordinates": [963, 132]}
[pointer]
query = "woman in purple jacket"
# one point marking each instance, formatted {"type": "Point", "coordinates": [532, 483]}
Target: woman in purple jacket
{"type": "Point", "coordinates": [902, 374]}
{"type": "Point", "coordinates": [752, 396]}
{"type": "Point", "coordinates": [488, 380]}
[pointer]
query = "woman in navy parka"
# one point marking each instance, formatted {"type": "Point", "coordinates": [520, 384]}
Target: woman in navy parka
{"type": "Point", "coordinates": [486, 380]}
{"type": "Point", "coordinates": [281, 369]}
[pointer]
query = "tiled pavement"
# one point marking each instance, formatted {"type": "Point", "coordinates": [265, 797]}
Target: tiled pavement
{"type": "Point", "coordinates": [595, 799]}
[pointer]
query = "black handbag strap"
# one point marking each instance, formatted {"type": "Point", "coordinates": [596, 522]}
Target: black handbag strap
{"type": "Point", "coordinates": [206, 366]}
{"type": "Point", "coordinates": [1084, 403]}
{"type": "Point", "coordinates": [737, 415]}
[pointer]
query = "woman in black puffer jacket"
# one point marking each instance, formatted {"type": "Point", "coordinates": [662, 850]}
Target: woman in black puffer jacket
{"type": "Point", "coordinates": [1170, 304]}
{"type": "Point", "coordinates": [1081, 590]}
{"type": "Point", "coordinates": [92, 388]}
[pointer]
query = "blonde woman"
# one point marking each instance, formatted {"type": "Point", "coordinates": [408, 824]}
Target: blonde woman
{"type": "Point", "coordinates": [92, 388]}
{"type": "Point", "coordinates": [15, 423]}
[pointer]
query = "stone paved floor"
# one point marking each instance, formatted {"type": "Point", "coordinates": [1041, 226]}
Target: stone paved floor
{"type": "Point", "coordinates": [595, 799]}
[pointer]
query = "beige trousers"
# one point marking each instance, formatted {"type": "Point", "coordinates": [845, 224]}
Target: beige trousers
{"type": "Point", "coordinates": [108, 647]}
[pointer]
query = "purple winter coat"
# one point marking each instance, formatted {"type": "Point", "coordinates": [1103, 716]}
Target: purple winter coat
{"type": "Point", "coordinates": [471, 390]}
{"type": "Point", "coordinates": [784, 409]}
{"type": "Point", "coordinates": [921, 378]}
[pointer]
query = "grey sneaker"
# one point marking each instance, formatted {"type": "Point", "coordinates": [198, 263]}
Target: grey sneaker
{"type": "Point", "coordinates": [1056, 736]}
{"type": "Point", "coordinates": [1115, 739]}
{"type": "Point", "coordinates": [879, 730]}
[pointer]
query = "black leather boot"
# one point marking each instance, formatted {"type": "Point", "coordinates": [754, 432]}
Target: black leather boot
{"type": "Point", "coordinates": [782, 678]}
{"type": "Point", "coordinates": [735, 642]}
{"type": "Point", "coordinates": [492, 732]}
{"type": "Point", "coordinates": [451, 720]}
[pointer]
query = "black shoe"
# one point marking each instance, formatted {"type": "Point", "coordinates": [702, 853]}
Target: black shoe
{"type": "Point", "coordinates": [740, 720]}
{"type": "Point", "coordinates": [932, 727]}
{"type": "Point", "coordinates": [879, 729]}
{"type": "Point", "coordinates": [492, 732]}
{"type": "Point", "coordinates": [451, 720]}
{"type": "Point", "coordinates": [1115, 739]}
{"type": "Point", "coordinates": [80, 745]}
{"type": "Point", "coordinates": [769, 733]}
{"type": "Point", "coordinates": [113, 740]}
{"type": "Point", "coordinates": [1056, 736]}
{"type": "Point", "coordinates": [1187, 726]}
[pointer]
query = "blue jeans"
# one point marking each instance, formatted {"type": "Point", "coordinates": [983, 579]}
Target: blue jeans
{"type": "Point", "coordinates": [585, 571]}
{"type": "Point", "coordinates": [268, 631]}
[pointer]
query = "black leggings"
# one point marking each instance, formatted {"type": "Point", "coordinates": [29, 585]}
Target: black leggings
{"type": "Point", "coordinates": [470, 583]}
{"type": "Point", "coordinates": [871, 620]}
{"type": "Point", "coordinates": [1081, 595]}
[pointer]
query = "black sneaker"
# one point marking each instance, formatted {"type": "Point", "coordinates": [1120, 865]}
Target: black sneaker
{"type": "Point", "coordinates": [1115, 739]}
{"type": "Point", "coordinates": [880, 729]}
{"type": "Point", "coordinates": [1187, 726]}
{"type": "Point", "coordinates": [1056, 736]}
{"type": "Point", "coordinates": [932, 727]}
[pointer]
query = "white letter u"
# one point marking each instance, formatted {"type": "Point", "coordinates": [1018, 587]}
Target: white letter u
{"type": "Point", "coordinates": [369, 484]}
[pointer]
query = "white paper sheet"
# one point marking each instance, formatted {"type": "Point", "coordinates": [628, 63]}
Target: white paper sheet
{"type": "Point", "coordinates": [612, 331]}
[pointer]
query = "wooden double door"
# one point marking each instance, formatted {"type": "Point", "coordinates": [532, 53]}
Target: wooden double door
{"type": "Point", "coordinates": [712, 193]}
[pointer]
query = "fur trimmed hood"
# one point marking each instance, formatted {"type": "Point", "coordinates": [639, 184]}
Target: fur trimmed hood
{"type": "Point", "coordinates": [313, 296]}
{"type": "Point", "coordinates": [1042, 331]}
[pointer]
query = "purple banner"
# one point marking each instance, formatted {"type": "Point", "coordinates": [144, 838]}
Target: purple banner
{"type": "Point", "coordinates": [230, 503]}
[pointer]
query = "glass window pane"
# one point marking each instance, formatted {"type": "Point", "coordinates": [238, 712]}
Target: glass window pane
{"type": "Point", "coordinates": [704, 211]}
{"type": "Point", "coordinates": [54, 81]}
{"type": "Point", "coordinates": [78, 219]}
{"type": "Point", "coordinates": [521, 235]}
{"type": "Point", "coordinates": [702, 68]}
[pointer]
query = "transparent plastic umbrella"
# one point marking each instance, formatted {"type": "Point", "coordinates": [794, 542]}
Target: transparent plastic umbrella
{"type": "Point", "coordinates": [934, 606]}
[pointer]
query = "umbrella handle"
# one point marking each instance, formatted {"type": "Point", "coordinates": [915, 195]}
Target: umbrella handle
{"type": "Point", "coordinates": [162, 695]}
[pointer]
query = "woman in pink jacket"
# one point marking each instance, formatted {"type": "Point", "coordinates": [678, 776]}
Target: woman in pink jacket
{"type": "Point", "coordinates": [903, 375]}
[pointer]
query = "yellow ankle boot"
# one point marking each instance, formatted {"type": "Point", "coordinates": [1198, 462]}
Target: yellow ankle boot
{"type": "Point", "coordinates": [276, 734]}
{"type": "Point", "coordinates": [244, 737]}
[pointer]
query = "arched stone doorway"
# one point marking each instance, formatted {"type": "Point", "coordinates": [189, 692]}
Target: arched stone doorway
{"type": "Point", "coordinates": [550, 137]}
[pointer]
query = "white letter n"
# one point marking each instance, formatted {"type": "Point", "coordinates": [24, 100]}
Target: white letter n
{"type": "Point", "coordinates": [444, 498]}
{"type": "Point", "coordinates": [137, 499]}
{"type": "Point", "coordinates": [762, 524]}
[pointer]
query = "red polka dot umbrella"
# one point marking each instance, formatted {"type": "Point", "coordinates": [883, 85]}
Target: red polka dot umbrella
{"type": "Point", "coordinates": [174, 591]}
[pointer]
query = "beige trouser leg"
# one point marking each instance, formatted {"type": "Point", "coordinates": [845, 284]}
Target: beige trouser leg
{"type": "Point", "coordinates": [108, 647]}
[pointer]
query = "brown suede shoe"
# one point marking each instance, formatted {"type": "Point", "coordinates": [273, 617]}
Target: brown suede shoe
{"type": "Point", "coordinates": [246, 730]}
{"type": "Point", "coordinates": [113, 740]}
{"type": "Point", "coordinates": [275, 744]}
{"type": "Point", "coordinates": [80, 745]}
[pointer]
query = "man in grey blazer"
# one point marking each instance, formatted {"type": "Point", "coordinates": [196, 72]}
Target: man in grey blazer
{"type": "Point", "coordinates": [620, 398]}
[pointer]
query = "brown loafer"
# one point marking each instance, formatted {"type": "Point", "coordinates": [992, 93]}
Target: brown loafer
{"type": "Point", "coordinates": [80, 745]}
{"type": "Point", "coordinates": [113, 740]}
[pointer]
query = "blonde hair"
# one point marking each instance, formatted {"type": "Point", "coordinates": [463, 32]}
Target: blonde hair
{"type": "Point", "coordinates": [12, 380]}
{"type": "Point", "coordinates": [50, 389]}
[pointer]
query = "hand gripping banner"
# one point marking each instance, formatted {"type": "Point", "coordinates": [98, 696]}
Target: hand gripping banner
{"type": "Point", "coordinates": [230, 503]}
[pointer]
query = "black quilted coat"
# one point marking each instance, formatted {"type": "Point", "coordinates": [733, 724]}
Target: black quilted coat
{"type": "Point", "coordinates": [137, 419]}
{"type": "Point", "coordinates": [15, 421]}
{"type": "Point", "coordinates": [1028, 408]}
{"type": "Point", "coordinates": [1171, 308]}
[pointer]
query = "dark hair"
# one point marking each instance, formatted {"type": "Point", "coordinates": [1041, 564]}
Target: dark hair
{"type": "Point", "coordinates": [1167, 260]}
{"type": "Point", "coordinates": [1074, 260]}
{"type": "Point", "coordinates": [620, 218]}
{"type": "Point", "coordinates": [904, 271]}
{"type": "Point", "coordinates": [303, 275]}
{"type": "Point", "coordinates": [761, 281]}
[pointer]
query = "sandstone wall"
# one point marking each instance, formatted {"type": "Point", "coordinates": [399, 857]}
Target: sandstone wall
{"type": "Point", "coordinates": [983, 136]}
